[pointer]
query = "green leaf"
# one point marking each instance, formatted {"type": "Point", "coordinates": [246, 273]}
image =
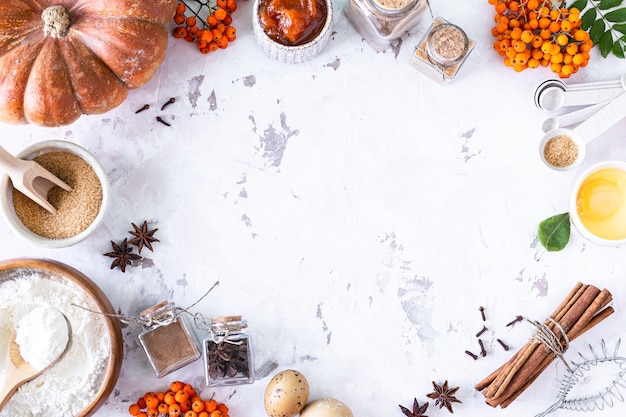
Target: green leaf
{"type": "Point", "coordinates": [618, 15]}
{"type": "Point", "coordinates": [606, 43]}
{"type": "Point", "coordinates": [608, 4]}
{"type": "Point", "coordinates": [554, 232]}
{"type": "Point", "coordinates": [621, 27]}
{"type": "Point", "coordinates": [618, 49]}
{"type": "Point", "coordinates": [596, 31]}
{"type": "Point", "coordinates": [588, 18]}
{"type": "Point", "coordinates": [579, 4]}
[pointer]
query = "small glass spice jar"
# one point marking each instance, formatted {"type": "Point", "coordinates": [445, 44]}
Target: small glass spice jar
{"type": "Point", "coordinates": [227, 353]}
{"type": "Point", "coordinates": [167, 339]}
{"type": "Point", "coordinates": [382, 21]}
{"type": "Point", "coordinates": [442, 51]}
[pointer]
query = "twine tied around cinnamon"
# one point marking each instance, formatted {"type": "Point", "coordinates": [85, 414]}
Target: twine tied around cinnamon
{"type": "Point", "coordinates": [544, 334]}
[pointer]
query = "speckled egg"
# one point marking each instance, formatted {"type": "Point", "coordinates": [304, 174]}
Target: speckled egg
{"type": "Point", "coordinates": [286, 394]}
{"type": "Point", "coordinates": [326, 407]}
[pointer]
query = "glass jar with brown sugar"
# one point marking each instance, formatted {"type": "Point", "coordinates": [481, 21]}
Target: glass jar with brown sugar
{"type": "Point", "coordinates": [381, 22]}
{"type": "Point", "coordinates": [167, 339]}
{"type": "Point", "coordinates": [442, 51]}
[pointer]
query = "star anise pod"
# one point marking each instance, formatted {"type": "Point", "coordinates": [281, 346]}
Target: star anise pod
{"type": "Point", "coordinates": [122, 254]}
{"type": "Point", "coordinates": [143, 236]}
{"type": "Point", "coordinates": [444, 396]}
{"type": "Point", "coordinates": [417, 410]}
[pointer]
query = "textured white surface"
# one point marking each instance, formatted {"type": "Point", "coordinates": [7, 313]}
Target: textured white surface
{"type": "Point", "coordinates": [356, 213]}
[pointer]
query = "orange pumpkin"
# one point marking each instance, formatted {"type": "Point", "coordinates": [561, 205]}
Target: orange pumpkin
{"type": "Point", "coordinates": [60, 59]}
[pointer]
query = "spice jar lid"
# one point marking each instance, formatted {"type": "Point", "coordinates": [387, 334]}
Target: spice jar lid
{"type": "Point", "coordinates": [225, 319]}
{"type": "Point", "coordinates": [447, 44]}
{"type": "Point", "coordinates": [393, 7]}
{"type": "Point", "coordinates": [151, 310]}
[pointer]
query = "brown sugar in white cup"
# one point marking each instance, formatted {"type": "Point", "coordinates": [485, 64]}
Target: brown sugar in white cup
{"type": "Point", "coordinates": [562, 149]}
{"type": "Point", "coordinates": [79, 212]}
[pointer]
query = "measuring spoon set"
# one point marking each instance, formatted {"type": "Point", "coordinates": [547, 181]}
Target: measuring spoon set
{"type": "Point", "coordinates": [601, 105]}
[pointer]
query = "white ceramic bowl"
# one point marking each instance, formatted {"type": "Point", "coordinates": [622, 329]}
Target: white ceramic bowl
{"type": "Point", "coordinates": [573, 210]}
{"type": "Point", "coordinates": [292, 54]}
{"type": "Point", "coordinates": [6, 194]}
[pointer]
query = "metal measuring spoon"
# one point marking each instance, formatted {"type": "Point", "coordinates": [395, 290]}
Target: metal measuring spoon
{"type": "Point", "coordinates": [571, 118]}
{"type": "Point", "coordinates": [587, 130]}
{"type": "Point", "coordinates": [554, 98]}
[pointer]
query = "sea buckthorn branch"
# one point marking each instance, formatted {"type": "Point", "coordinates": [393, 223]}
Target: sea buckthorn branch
{"type": "Point", "coordinates": [210, 33]}
{"type": "Point", "coordinates": [534, 33]}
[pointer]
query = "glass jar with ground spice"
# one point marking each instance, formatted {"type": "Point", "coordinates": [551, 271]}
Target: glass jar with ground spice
{"type": "Point", "coordinates": [227, 353]}
{"type": "Point", "coordinates": [167, 339]}
{"type": "Point", "coordinates": [381, 22]}
{"type": "Point", "coordinates": [442, 51]}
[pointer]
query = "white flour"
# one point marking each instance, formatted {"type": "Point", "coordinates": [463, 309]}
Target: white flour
{"type": "Point", "coordinates": [70, 385]}
{"type": "Point", "coordinates": [42, 335]}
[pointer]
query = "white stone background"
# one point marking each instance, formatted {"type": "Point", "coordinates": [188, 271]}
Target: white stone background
{"type": "Point", "coordinates": [355, 213]}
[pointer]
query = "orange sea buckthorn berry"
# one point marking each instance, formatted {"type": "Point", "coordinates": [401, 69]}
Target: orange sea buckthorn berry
{"type": "Point", "coordinates": [179, 32]}
{"type": "Point", "coordinates": [191, 413]}
{"type": "Point", "coordinates": [533, 63]}
{"type": "Point", "coordinates": [179, 18]}
{"type": "Point", "coordinates": [562, 39]}
{"type": "Point", "coordinates": [500, 8]}
{"type": "Point", "coordinates": [181, 396]}
{"type": "Point", "coordinates": [134, 409]}
{"type": "Point", "coordinates": [231, 5]}
{"type": "Point", "coordinates": [181, 7]}
{"type": "Point", "coordinates": [536, 42]}
{"type": "Point", "coordinates": [216, 413]}
{"type": "Point", "coordinates": [191, 392]}
{"type": "Point", "coordinates": [223, 408]}
{"type": "Point", "coordinates": [221, 3]}
{"type": "Point", "coordinates": [510, 52]}
{"type": "Point", "coordinates": [210, 405]}
{"type": "Point", "coordinates": [203, 414]}
{"type": "Point", "coordinates": [191, 21]}
{"type": "Point", "coordinates": [519, 46]}
{"type": "Point", "coordinates": [211, 21]}
{"type": "Point", "coordinates": [213, 46]}
{"type": "Point", "coordinates": [141, 402]}
{"type": "Point", "coordinates": [554, 27]}
{"type": "Point", "coordinates": [544, 22]}
{"type": "Point", "coordinates": [571, 48]}
{"type": "Point", "coordinates": [197, 405]}
{"type": "Point", "coordinates": [228, 20]}
{"type": "Point", "coordinates": [581, 35]}
{"type": "Point", "coordinates": [152, 412]}
{"type": "Point", "coordinates": [514, 23]}
{"type": "Point", "coordinates": [176, 386]}
{"type": "Point", "coordinates": [585, 46]}
{"type": "Point", "coordinates": [231, 33]}
{"type": "Point", "coordinates": [222, 42]}
{"type": "Point", "coordinates": [170, 397]}
{"type": "Point", "coordinates": [526, 36]}
{"type": "Point", "coordinates": [174, 410]}
{"type": "Point", "coordinates": [532, 4]}
{"type": "Point", "coordinates": [578, 59]}
{"type": "Point", "coordinates": [555, 14]}
{"type": "Point", "coordinates": [163, 407]}
{"type": "Point", "coordinates": [516, 33]}
{"type": "Point", "coordinates": [142, 414]}
{"type": "Point", "coordinates": [566, 25]}
{"type": "Point", "coordinates": [220, 13]}
{"type": "Point", "coordinates": [194, 31]}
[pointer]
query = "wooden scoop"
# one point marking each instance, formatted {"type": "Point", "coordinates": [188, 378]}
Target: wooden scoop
{"type": "Point", "coordinates": [33, 180]}
{"type": "Point", "coordinates": [18, 371]}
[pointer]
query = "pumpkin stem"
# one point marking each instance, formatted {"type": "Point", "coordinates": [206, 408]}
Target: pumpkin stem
{"type": "Point", "coordinates": [56, 21]}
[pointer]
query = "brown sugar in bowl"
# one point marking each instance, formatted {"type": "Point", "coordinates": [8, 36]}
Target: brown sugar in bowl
{"type": "Point", "coordinates": [79, 212]}
{"type": "Point", "coordinates": [65, 274]}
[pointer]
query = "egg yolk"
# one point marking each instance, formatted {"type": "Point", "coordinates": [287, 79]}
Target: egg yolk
{"type": "Point", "coordinates": [601, 203]}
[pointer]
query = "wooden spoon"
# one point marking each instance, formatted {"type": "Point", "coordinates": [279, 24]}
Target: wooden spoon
{"type": "Point", "coordinates": [18, 371]}
{"type": "Point", "coordinates": [33, 180]}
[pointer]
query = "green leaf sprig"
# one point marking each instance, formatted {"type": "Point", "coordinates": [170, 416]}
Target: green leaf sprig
{"type": "Point", "coordinates": [554, 232]}
{"type": "Point", "coordinates": [605, 20]}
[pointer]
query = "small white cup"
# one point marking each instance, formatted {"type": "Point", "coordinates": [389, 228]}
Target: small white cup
{"type": "Point", "coordinates": [6, 193]}
{"type": "Point", "coordinates": [573, 209]}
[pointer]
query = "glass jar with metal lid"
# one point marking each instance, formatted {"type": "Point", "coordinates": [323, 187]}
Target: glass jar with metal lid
{"type": "Point", "coordinates": [380, 22]}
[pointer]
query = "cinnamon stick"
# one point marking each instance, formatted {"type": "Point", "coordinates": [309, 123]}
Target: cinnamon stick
{"type": "Point", "coordinates": [577, 313]}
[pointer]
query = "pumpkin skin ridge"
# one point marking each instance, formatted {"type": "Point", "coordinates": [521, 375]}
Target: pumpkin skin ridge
{"type": "Point", "coordinates": [118, 55]}
{"type": "Point", "coordinates": [13, 82]}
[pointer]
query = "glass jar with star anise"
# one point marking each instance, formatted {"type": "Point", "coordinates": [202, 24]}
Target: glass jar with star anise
{"type": "Point", "coordinates": [228, 353]}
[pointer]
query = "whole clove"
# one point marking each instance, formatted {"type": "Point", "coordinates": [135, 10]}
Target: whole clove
{"type": "Point", "coordinates": [483, 352]}
{"type": "Point", "coordinates": [483, 330]}
{"type": "Point", "coordinates": [472, 355]}
{"type": "Point", "coordinates": [144, 107]}
{"type": "Point", "coordinates": [160, 120]}
{"type": "Point", "coordinates": [482, 312]}
{"type": "Point", "coordinates": [168, 102]}
{"type": "Point", "coordinates": [515, 320]}
{"type": "Point", "coordinates": [504, 345]}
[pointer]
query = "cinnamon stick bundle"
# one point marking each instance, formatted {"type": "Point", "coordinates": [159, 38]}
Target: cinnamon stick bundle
{"type": "Point", "coordinates": [583, 308]}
